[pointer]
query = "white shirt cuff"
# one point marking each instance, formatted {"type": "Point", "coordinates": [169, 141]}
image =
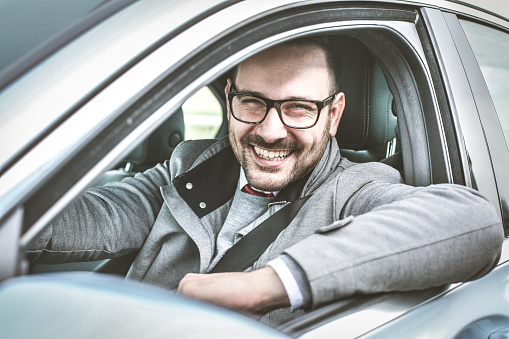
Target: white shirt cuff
{"type": "Point", "coordinates": [289, 282]}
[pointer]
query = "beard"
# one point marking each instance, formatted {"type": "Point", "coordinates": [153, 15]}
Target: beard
{"type": "Point", "coordinates": [269, 178]}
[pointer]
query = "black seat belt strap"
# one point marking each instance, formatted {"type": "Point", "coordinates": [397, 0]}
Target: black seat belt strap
{"type": "Point", "coordinates": [248, 249]}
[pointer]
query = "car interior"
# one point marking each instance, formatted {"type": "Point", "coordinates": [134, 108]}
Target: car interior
{"type": "Point", "coordinates": [368, 131]}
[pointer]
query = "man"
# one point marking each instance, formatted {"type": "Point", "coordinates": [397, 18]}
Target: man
{"type": "Point", "coordinates": [361, 230]}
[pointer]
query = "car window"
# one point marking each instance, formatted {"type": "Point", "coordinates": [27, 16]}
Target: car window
{"type": "Point", "coordinates": [491, 48]}
{"type": "Point", "coordinates": [203, 115]}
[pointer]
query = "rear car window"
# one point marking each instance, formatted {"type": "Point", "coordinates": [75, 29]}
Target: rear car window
{"type": "Point", "coordinates": [491, 48]}
{"type": "Point", "coordinates": [203, 115]}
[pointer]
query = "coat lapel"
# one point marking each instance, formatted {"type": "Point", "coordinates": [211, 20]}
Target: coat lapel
{"type": "Point", "coordinates": [199, 199]}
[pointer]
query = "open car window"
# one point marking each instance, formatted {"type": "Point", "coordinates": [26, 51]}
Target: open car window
{"type": "Point", "coordinates": [374, 96]}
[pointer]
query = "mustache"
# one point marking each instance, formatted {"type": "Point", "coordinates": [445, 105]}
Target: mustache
{"type": "Point", "coordinates": [278, 144]}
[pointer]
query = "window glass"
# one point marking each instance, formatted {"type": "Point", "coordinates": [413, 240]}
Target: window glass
{"type": "Point", "coordinates": [491, 48]}
{"type": "Point", "coordinates": [203, 115]}
{"type": "Point", "coordinates": [25, 24]}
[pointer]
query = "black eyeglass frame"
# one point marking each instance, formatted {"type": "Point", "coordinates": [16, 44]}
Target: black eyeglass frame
{"type": "Point", "coordinates": [269, 103]}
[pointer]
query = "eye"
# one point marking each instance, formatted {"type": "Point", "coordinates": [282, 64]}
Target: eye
{"type": "Point", "coordinates": [300, 106]}
{"type": "Point", "coordinates": [248, 100]}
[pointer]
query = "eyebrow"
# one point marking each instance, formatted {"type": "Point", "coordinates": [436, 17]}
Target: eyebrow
{"type": "Point", "coordinates": [259, 94]}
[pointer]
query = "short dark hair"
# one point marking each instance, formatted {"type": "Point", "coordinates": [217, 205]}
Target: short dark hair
{"type": "Point", "coordinates": [324, 43]}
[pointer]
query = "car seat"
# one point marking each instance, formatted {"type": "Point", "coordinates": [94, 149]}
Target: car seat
{"type": "Point", "coordinates": [368, 128]}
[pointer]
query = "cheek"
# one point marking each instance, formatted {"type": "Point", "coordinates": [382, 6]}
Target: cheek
{"type": "Point", "coordinates": [237, 129]}
{"type": "Point", "coordinates": [306, 140]}
{"type": "Point", "coordinates": [233, 126]}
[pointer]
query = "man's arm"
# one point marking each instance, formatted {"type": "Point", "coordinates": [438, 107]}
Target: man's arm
{"type": "Point", "coordinates": [105, 222]}
{"type": "Point", "coordinates": [256, 292]}
{"type": "Point", "coordinates": [424, 237]}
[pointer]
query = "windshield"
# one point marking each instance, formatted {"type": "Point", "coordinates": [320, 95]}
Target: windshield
{"type": "Point", "coordinates": [26, 24]}
{"type": "Point", "coordinates": [30, 33]}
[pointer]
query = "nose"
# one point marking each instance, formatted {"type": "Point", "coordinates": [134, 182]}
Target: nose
{"type": "Point", "coordinates": [272, 128]}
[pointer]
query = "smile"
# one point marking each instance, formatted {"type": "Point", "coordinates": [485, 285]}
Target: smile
{"type": "Point", "coordinates": [271, 155]}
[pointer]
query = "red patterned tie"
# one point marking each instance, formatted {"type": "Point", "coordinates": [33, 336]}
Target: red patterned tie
{"type": "Point", "coordinates": [250, 190]}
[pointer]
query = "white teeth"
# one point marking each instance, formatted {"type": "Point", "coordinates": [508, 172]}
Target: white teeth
{"type": "Point", "coordinates": [271, 155]}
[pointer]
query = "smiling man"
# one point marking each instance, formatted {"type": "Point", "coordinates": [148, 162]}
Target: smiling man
{"type": "Point", "coordinates": [361, 230]}
{"type": "Point", "coordinates": [293, 74]}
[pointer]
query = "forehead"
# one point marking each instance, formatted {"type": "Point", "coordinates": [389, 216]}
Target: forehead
{"type": "Point", "coordinates": [285, 70]}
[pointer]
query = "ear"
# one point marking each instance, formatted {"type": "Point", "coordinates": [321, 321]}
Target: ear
{"type": "Point", "coordinates": [228, 86]}
{"type": "Point", "coordinates": [336, 111]}
{"type": "Point", "coordinates": [226, 91]}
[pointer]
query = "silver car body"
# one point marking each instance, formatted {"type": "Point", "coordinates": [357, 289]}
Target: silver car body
{"type": "Point", "coordinates": [51, 112]}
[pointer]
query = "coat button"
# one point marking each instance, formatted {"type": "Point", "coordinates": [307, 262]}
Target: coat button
{"type": "Point", "coordinates": [189, 185]}
{"type": "Point", "coordinates": [203, 205]}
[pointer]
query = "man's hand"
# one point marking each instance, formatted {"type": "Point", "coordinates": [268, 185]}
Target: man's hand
{"type": "Point", "coordinates": [255, 292]}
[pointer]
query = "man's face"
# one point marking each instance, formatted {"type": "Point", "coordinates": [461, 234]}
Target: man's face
{"type": "Point", "coordinates": [273, 155]}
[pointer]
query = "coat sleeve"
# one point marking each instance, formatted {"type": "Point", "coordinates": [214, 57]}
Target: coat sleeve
{"type": "Point", "coordinates": [107, 221]}
{"type": "Point", "coordinates": [114, 219]}
{"type": "Point", "coordinates": [394, 237]}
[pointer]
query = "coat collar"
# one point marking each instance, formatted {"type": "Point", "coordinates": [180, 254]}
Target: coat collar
{"type": "Point", "coordinates": [211, 183]}
{"type": "Point", "coordinates": [327, 164]}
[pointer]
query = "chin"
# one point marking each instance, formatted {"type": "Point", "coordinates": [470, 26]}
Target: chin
{"type": "Point", "coordinates": [268, 182]}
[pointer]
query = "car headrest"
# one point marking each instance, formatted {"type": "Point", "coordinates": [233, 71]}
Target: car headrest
{"type": "Point", "coordinates": [368, 121]}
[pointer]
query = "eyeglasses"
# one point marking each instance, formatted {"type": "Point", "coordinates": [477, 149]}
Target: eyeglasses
{"type": "Point", "coordinates": [299, 114]}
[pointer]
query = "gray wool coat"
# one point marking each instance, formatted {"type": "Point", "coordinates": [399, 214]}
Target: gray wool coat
{"type": "Point", "coordinates": [361, 231]}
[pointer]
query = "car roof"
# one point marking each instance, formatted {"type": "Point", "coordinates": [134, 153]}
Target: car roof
{"type": "Point", "coordinates": [495, 7]}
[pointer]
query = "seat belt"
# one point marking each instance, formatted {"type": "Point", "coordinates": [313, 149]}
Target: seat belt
{"type": "Point", "coordinates": [247, 250]}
